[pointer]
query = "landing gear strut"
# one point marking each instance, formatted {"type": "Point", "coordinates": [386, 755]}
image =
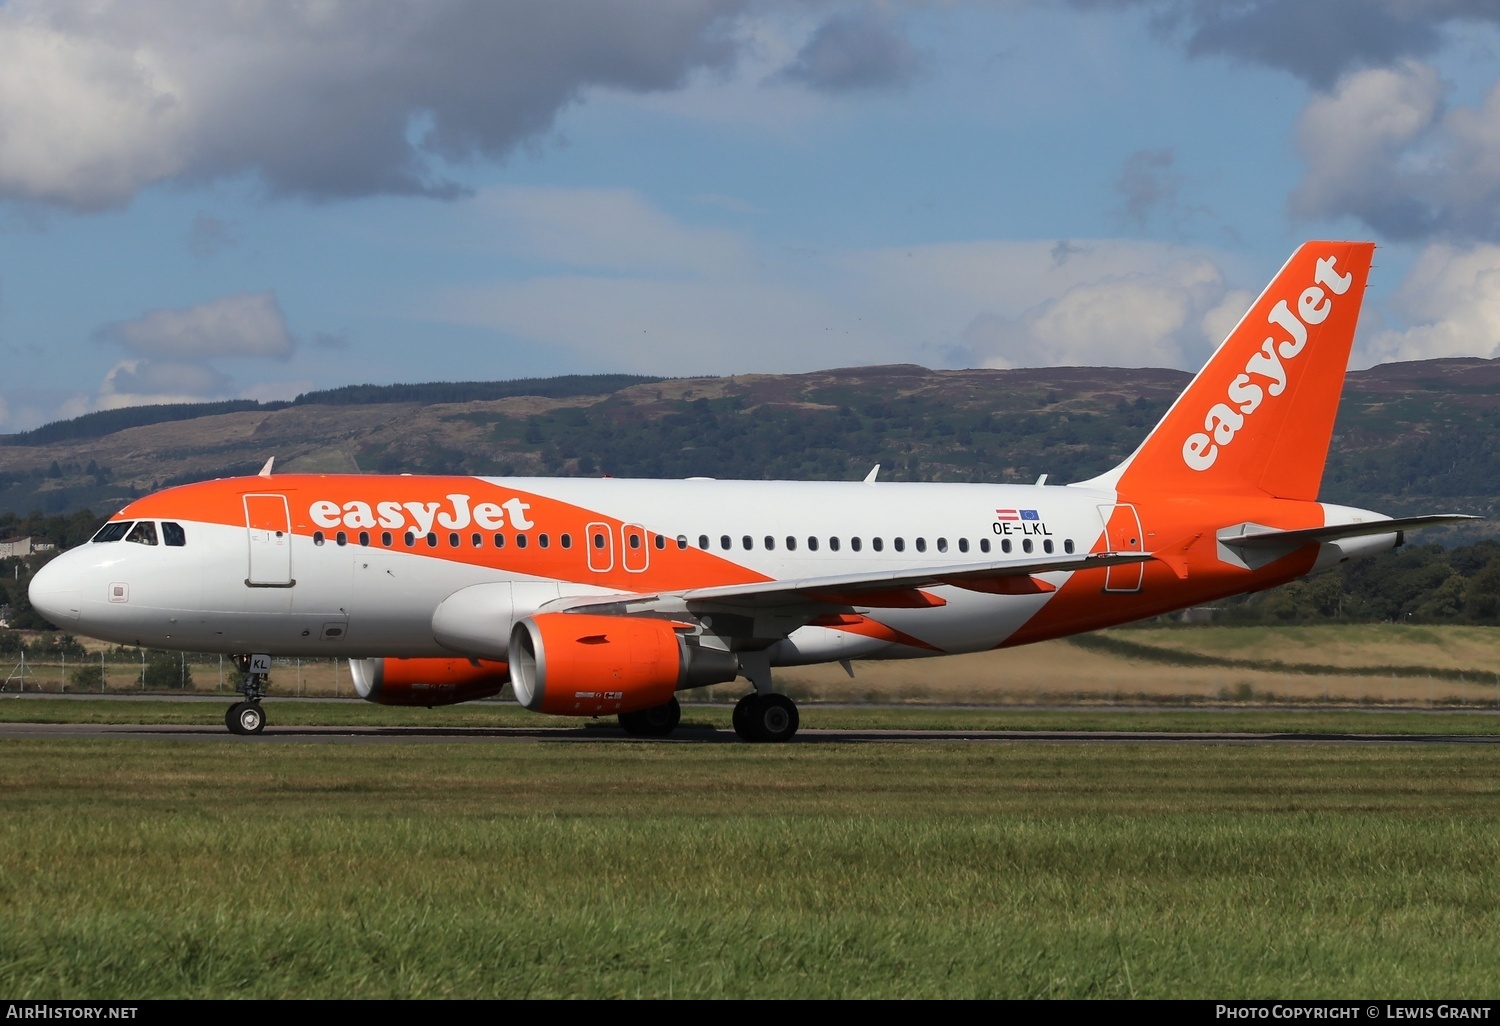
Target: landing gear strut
{"type": "Point", "coordinates": [248, 717]}
{"type": "Point", "coordinates": [765, 717]}
{"type": "Point", "coordinates": [658, 721]}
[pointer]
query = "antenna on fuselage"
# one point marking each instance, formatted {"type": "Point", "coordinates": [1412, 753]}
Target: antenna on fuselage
{"type": "Point", "coordinates": [870, 477]}
{"type": "Point", "coordinates": [266, 470]}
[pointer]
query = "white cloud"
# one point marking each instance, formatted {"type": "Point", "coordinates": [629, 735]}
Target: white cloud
{"type": "Point", "coordinates": [1154, 320]}
{"type": "Point", "coordinates": [1450, 301]}
{"type": "Point", "coordinates": [1103, 301]}
{"type": "Point", "coordinates": [173, 353]}
{"type": "Point", "coordinates": [250, 324]}
{"type": "Point", "coordinates": [696, 301]}
{"type": "Point", "coordinates": [150, 382]}
{"type": "Point", "coordinates": [327, 98]}
{"type": "Point", "coordinates": [84, 120]}
{"type": "Point", "coordinates": [1384, 148]}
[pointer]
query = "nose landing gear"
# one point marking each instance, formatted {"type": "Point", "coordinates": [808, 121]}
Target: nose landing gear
{"type": "Point", "coordinates": [245, 718]}
{"type": "Point", "coordinates": [248, 717]}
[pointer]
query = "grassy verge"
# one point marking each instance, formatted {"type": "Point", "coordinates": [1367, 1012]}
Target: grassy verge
{"type": "Point", "coordinates": [182, 870]}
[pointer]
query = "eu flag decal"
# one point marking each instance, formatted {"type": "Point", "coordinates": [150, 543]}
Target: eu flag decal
{"type": "Point", "coordinates": [1029, 514]}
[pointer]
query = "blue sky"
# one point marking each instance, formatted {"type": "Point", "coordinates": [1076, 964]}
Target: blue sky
{"type": "Point", "coordinates": [213, 201]}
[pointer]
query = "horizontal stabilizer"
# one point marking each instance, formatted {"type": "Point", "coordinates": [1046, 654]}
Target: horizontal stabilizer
{"type": "Point", "coordinates": [1262, 538]}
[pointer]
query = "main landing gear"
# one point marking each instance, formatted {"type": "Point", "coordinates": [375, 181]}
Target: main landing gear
{"type": "Point", "coordinates": [248, 717]}
{"type": "Point", "coordinates": [658, 721]}
{"type": "Point", "coordinates": [765, 717]}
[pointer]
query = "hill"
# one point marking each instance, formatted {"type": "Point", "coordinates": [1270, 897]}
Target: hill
{"type": "Point", "coordinates": [1409, 435]}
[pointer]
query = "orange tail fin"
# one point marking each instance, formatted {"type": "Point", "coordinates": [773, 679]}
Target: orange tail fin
{"type": "Point", "coordinates": [1258, 418]}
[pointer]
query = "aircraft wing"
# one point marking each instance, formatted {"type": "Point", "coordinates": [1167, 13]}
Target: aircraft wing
{"type": "Point", "coordinates": [878, 589]}
{"type": "Point", "coordinates": [1254, 537]}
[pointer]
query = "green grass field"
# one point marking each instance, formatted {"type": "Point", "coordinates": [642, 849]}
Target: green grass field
{"type": "Point", "coordinates": [143, 869]}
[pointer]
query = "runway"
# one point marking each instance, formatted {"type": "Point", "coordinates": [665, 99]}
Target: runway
{"type": "Point", "coordinates": [695, 735]}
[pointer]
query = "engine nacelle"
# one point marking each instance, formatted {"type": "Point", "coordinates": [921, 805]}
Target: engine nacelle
{"type": "Point", "coordinates": [427, 682]}
{"type": "Point", "coordinates": [577, 664]}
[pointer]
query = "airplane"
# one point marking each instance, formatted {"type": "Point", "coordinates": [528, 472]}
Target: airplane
{"type": "Point", "coordinates": [597, 597]}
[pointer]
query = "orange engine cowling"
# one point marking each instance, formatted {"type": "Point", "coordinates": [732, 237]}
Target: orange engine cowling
{"type": "Point", "coordinates": [427, 682]}
{"type": "Point", "coordinates": [576, 664]}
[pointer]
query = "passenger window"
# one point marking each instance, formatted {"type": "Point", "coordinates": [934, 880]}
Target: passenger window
{"type": "Point", "coordinates": [812, 544]}
{"type": "Point", "coordinates": [747, 543]}
{"type": "Point", "coordinates": [1026, 545]}
{"type": "Point", "coordinates": [899, 544]}
{"type": "Point", "coordinates": [1004, 544]}
{"type": "Point", "coordinates": [173, 534]}
{"type": "Point", "coordinates": [385, 538]}
{"type": "Point", "coordinates": [984, 545]}
{"type": "Point", "coordinates": [520, 541]}
{"type": "Point", "coordinates": [770, 543]}
{"type": "Point", "coordinates": [791, 544]}
{"type": "Point", "coordinates": [878, 544]}
{"type": "Point", "coordinates": [833, 543]}
{"type": "Point", "coordinates": [364, 537]}
{"type": "Point", "coordinates": [681, 541]}
{"type": "Point", "coordinates": [661, 541]}
{"type": "Point", "coordinates": [598, 539]}
{"type": "Point", "coordinates": [854, 543]}
{"type": "Point", "coordinates": [432, 539]}
{"type": "Point", "coordinates": [703, 541]}
{"type": "Point", "coordinates": [410, 538]}
{"type": "Point", "coordinates": [318, 537]}
{"type": "Point", "coordinates": [499, 541]}
{"type": "Point", "coordinates": [963, 545]}
{"type": "Point", "coordinates": [1047, 545]}
{"type": "Point", "coordinates": [635, 541]}
{"type": "Point", "coordinates": [144, 533]}
{"type": "Point", "coordinates": [567, 541]}
{"type": "Point", "coordinates": [921, 544]}
{"type": "Point", "coordinates": [113, 532]}
{"type": "Point", "coordinates": [724, 542]}
{"type": "Point", "coordinates": [453, 539]}
{"type": "Point", "coordinates": [543, 540]}
{"type": "Point", "coordinates": [1068, 546]}
{"type": "Point", "coordinates": [477, 540]}
{"type": "Point", "coordinates": [942, 544]}
{"type": "Point", "coordinates": [341, 538]}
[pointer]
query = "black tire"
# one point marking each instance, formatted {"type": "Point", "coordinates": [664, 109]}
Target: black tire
{"type": "Point", "coordinates": [744, 712]}
{"type": "Point", "coordinates": [232, 717]}
{"type": "Point", "coordinates": [250, 718]}
{"type": "Point", "coordinates": [658, 721]}
{"type": "Point", "coordinates": [775, 719]}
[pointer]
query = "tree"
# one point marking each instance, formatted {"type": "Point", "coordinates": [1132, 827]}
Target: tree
{"type": "Point", "coordinates": [167, 671]}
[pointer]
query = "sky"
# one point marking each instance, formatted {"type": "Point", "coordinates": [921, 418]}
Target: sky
{"type": "Point", "coordinates": [261, 198]}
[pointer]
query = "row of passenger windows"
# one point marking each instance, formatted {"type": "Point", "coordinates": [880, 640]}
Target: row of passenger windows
{"type": "Point", "coordinates": [142, 532]}
{"type": "Point", "coordinates": [455, 540]}
{"type": "Point", "coordinates": [856, 544]}
{"type": "Point", "coordinates": [726, 543]}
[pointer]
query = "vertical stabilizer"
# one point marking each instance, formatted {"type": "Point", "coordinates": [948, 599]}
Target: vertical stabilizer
{"type": "Point", "coordinates": [1258, 418]}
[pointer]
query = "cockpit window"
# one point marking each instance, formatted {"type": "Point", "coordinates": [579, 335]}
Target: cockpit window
{"type": "Point", "coordinates": [113, 531]}
{"type": "Point", "coordinates": [173, 534]}
{"type": "Point", "coordinates": [143, 533]}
